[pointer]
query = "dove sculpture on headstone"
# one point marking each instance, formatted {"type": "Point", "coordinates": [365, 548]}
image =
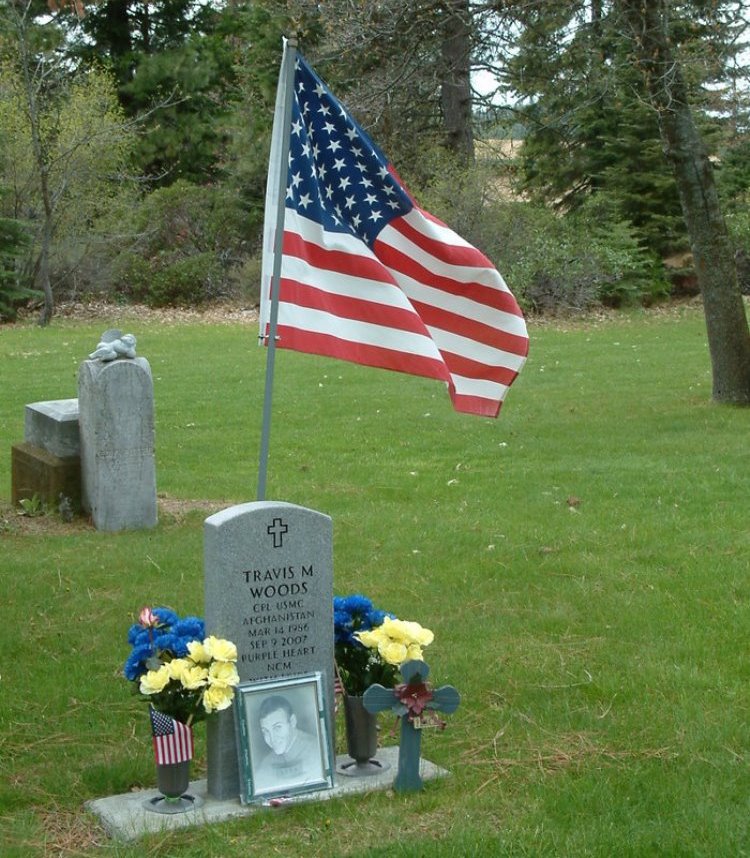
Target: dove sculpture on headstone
{"type": "Point", "coordinates": [114, 344]}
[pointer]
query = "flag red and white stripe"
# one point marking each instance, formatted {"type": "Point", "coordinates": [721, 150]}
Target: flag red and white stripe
{"type": "Point", "coordinates": [368, 276]}
{"type": "Point", "coordinates": [173, 740]}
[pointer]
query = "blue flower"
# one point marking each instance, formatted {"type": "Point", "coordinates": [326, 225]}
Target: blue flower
{"type": "Point", "coordinates": [192, 628]}
{"type": "Point", "coordinates": [352, 614]}
{"type": "Point", "coordinates": [357, 604]}
{"type": "Point", "coordinates": [135, 666]}
{"type": "Point", "coordinates": [137, 634]}
{"type": "Point", "coordinates": [166, 616]}
{"type": "Point", "coordinates": [169, 642]}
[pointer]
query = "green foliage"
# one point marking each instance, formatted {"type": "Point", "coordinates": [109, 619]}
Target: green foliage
{"type": "Point", "coordinates": [733, 174]}
{"type": "Point", "coordinates": [553, 263]}
{"type": "Point", "coordinates": [188, 238]}
{"type": "Point", "coordinates": [738, 226]}
{"type": "Point", "coordinates": [190, 89]}
{"type": "Point", "coordinates": [174, 61]}
{"type": "Point", "coordinates": [13, 241]}
{"type": "Point", "coordinates": [573, 263]}
{"type": "Point", "coordinates": [32, 507]}
{"type": "Point", "coordinates": [590, 127]}
{"type": "Point", "coordinates": [77, 139]}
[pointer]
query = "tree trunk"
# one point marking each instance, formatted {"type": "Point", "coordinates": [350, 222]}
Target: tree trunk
{"type": "Point", "coordinates": [455, 90]}
{"type": "Point", "coordinates": [726, 320]}
{"type": "Point", "coordinates": [33, 79]}
{"type": "Point", "coordinates": [41, 279]}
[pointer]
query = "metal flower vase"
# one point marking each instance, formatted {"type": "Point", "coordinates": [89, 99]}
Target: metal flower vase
{"type": "Point", "coordinates": [361, 741]}
{"type": "Point", "coordinates": [173, 782]}
{"type": "Point", "coordinates": [172, 778]}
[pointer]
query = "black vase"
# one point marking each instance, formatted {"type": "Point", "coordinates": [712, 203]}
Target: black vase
{"type": "Point", "coordinates": [172, 781]}
{"type": "Point", "coordinates": [361, 740]}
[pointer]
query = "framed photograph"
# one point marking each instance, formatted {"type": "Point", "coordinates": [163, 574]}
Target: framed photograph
{"type": "Point", "coordinates": [283, 737]}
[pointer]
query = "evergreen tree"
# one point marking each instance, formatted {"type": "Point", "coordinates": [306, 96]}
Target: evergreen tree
{"type": "Point", "coordinates": [174, 64]}
{"type": "Point", "coordinates": [590, 128]}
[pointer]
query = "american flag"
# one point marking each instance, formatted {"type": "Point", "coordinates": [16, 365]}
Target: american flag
{"type": "Point", "coordinates": [368, 276]}
{"type": "Point", "coordinates": [173, 741]}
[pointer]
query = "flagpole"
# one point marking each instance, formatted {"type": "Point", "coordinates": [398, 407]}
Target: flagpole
{"type": "Point", "coordinates": [287, 76]}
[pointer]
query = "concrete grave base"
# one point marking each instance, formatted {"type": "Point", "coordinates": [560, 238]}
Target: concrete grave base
{"type": "Point", "coordinates": [126, 818]}
{"type": "Point", "coordinates": [35, 471]}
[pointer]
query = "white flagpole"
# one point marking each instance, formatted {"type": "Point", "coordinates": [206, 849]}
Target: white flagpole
{"type": "Point", "coordinates": [279, 159]}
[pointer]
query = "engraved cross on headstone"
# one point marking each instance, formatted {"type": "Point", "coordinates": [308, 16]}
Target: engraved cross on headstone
{"type": "Point", "coordinates": [277, 529]}
{"type": "Point", "coordinates": [419, 697]}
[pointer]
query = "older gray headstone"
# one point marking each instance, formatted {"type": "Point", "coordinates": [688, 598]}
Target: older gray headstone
{"type": "Point", "coordinates": [53, 426]}
{"type": "Point", "coordinates": [116, 417]}
{"type": "Point", "coordinates": [269, 588]}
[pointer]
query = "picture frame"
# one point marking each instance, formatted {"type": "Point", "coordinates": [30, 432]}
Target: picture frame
{"type": "Point", "coordinates": [284, 741]}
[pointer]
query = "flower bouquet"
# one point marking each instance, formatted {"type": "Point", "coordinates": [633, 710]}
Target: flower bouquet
{"type": "Point", "coordinates": [178, 670]}
{"type": "Point", "coordinates": [184, 676]}
{"type": "Point", "coordinates": [371, 644]}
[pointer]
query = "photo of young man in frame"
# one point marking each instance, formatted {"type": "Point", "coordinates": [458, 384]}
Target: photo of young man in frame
{"type": "Point", "coordinates": [288, 748]}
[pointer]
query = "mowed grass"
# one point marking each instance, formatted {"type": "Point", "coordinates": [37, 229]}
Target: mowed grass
{"type": "Point", "coordinates": [584, 562]}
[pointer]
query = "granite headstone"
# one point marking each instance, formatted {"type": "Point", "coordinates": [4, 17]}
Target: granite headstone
{"type": "Point", "coordinates": [269, 588]}
{"type": "Point", "coordinates": [116, 417]}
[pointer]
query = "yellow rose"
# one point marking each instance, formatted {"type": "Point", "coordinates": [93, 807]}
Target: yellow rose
{"type": "Point", "coordinates": [194, 677]}
{"type": "Point", "coordinates": [178, 666]}
{"type": "Point", "coordinates": [370, 639]}
{"type": "Point", "coordinates": [224, 674]}
{"type": "Point", "coordinates": [395, 630]}
{"type": "Point", "coordinates": [414, 651]}
{"type": "Point", "coordinates": [220, 649]}
{"type": "Point", "coordinates": [393, 652]}
{"type": "Point", "coordinates": [409, 632]}
{"type": "Point", "coordinates": [217, 697]}
{"type": "Point", "coordinates": [198, 652]}
{"type": "Point", "coordinates": [424, 637]}
{"type": "Point", "coordinates": [155, 680]}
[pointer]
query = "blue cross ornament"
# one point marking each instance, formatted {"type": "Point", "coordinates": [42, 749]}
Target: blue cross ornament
{"type": "Point", "coordinates": [416, 704]}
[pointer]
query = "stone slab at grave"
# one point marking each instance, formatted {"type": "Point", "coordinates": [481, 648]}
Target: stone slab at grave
{"type": "Point", "coordinates": [116, 416]}
{"type": "Point", "coordinates": [53, 426]}
{"type": "Point", "coordinates": [47, 465]}
{"type": "Point", "coordinates": [37, 472]}
{"type": "Point", "coordinates": [269, 588]}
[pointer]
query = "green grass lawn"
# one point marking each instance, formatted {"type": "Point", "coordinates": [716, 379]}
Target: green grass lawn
{"type": "Point", "coordinates": [584, 562]}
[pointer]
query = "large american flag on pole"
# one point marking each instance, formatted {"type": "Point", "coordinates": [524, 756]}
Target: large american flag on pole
{"type": "Point", "coordinates": [173, 741]}
{"type": "Point", "coordinates": [368, 276]}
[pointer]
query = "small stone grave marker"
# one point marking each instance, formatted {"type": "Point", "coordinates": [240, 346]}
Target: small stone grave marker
{"type": "Point", "coordinates": [48, 464]}
{"type": "Point", "coordinates": [269, 588]}
{"type": "Point", "coordinates": [53, 426]}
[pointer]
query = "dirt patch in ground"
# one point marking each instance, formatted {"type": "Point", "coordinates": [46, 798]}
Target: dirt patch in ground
{"type": "Point", "coordinates": [172, 511]}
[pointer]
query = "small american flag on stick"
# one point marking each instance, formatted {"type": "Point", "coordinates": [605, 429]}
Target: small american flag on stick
{"type": "Point", "coordinates": [173, 741]}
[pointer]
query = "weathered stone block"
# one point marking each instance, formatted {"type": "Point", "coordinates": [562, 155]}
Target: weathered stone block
{"type": "Point", "coordinates": [35, 471]}
{"type": "Point", "coordinates": [53, 426]}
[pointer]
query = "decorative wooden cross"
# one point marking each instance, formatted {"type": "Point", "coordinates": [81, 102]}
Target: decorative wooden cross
{"type": "Point", "coordinates": [409, 701]}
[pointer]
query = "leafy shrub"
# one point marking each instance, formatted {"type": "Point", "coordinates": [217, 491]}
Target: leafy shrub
{"type": "Point", "coordinates": [13, 240]}
{"type": "Point", "coordinates": [189, 238]}
{"type": "Point", "coordinates": [552, 263]}
{"type": "Point", "coordinates": [738, 225]}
